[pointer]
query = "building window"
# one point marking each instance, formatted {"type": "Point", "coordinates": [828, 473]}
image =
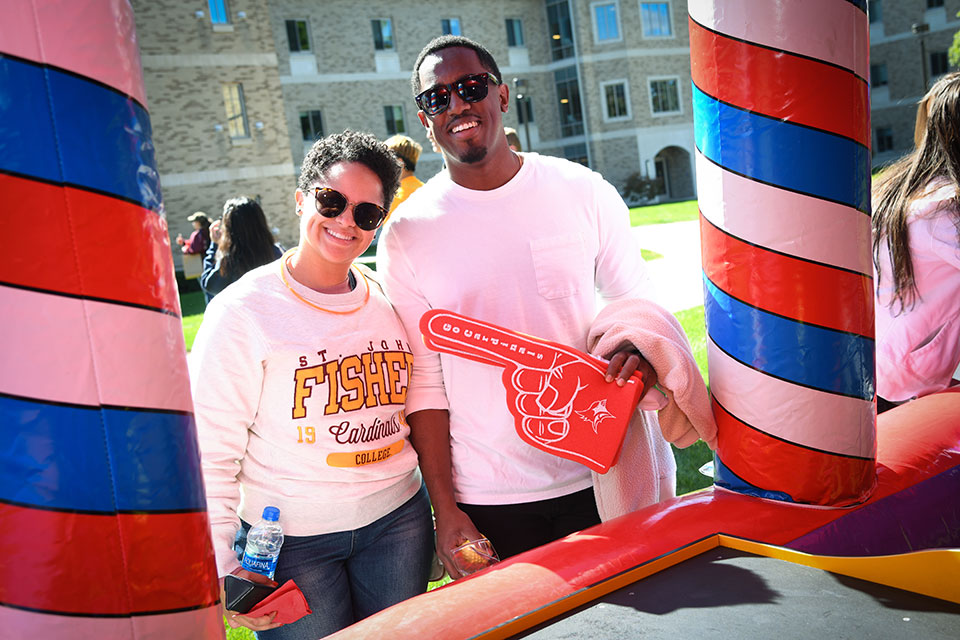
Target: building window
{"type": "Point", "coordinates": [382, 34]}
{"type": "Point", "coordinates": [311, 123]}
{"type": "Point", "coordinates": [576, 153]}
{"type": "Point", "coordinates": [297, 35]}
{"type": "Point", "coordinates": [656, 19]}
{"type": "Point", "coordinates": [884, 139]}
{"type": "Point", "coordinates": [938, 63]}
{"type": "Point", "coordinates": [514, 32]}
{"type": "Point", "coordinates": [561, 32]}
{"type": "Point", "coordinates": [568, 95]}
{"type": "Point", "coordinates": [616, 100]}
{"type": "Point", "coordinates": [606, 23]}
{"type": "Point", "coordinates": [450, 27]}
{"type": "Point", "coordinates": [665, 96]}
{"type": "Point", "coordinates": [933, 4]}
{"type": "Point", "coordinates": [878, 75]}
{"type": "Point", "coordinates": [393, 115]}
{"type": "Point", "coordinates": [219, 12]}
{"type": "Point", "coordinates": [236, 111]}
{"type": "Point", "coordinates": [875, 11]}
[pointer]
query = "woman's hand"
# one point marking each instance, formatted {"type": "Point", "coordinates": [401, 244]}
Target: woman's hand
{"type": "Point", "coordinates": [215, 232]}
{"type": "Point", "coordinates": [234, 619]}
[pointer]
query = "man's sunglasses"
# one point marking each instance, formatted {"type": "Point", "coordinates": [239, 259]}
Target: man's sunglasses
{"type": "Point", "coordinates": [331, 203]}
{"type": "Point", "coordinates": [472, 88]}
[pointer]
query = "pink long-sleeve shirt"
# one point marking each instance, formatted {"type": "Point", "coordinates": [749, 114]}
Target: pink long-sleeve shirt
{"type": "Point", "coordinates": [918, 349]}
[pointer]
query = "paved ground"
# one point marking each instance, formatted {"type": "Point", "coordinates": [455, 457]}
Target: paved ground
{"type": "Point", "coordinates": [679, 274]}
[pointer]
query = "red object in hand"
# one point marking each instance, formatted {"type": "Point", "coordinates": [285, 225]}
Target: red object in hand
{"type": "Point", "coordinates": [558, 396]}
{"type": "Point", "coordinates": [288, 601]}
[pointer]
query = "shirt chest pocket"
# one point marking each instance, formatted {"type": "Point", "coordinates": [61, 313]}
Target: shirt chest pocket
{"type": "Point", "coordinates": [560, 263]}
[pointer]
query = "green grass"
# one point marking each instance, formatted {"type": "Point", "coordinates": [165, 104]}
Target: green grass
{"type": "Point", "coordinates": [650, 255]}
{"type": "Point", "coordinates": [662, 213]}
{"type": "Point", "coordinates": [690, 460]}
{"type": "Point", "coordinates": [240, 633]}
{"type": "Point", "coordinates": [192, 307]}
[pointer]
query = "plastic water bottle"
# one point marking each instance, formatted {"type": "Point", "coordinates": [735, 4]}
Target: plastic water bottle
{"type": "Point", "coordinates": [263, 544]}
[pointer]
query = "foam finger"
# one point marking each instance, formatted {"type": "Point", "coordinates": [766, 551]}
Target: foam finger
{"type": "Point", "coordinates": [445, 331]}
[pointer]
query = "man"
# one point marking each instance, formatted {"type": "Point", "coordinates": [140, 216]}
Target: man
{"type": "Point", "coordinates": [512, 138]}
{"type": "Point", "coordinates": [407, 151]}
{"type": "Point", "coordinates": [519, 240]}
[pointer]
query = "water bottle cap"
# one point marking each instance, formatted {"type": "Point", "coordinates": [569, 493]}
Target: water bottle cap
{"type": "Point", "coordinates": [271, 514]}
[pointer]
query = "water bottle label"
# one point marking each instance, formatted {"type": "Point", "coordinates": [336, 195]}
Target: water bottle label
{"type": "Point", "coordinates": [265, 566]}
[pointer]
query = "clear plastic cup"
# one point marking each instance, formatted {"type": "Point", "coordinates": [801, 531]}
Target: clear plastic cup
{"type": "Point", "coordinates": [474, 555]}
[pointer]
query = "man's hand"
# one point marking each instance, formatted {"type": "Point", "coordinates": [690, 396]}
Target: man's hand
{"type": "Point", "coordinates": [624, 362]}
{"type": "Point", "coordinates": [453, 529]}
{"type": "Point", "coordinates": [234, 619]}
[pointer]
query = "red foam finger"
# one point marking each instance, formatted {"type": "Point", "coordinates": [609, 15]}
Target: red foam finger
{"type": "Point", "coordinates": [558, 396]}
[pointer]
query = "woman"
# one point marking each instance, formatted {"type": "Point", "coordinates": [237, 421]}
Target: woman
{"type": "Point", "coordinates": [199, 238]}
{"type": "Point", "coordinates": [240, 241]}
{"type": "Point", "coordinates": [916, 252]}
{"type": "Point", "coordinates": [300, 372]}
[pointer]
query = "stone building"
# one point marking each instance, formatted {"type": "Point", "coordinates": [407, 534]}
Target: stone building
{"type": "Point", "coordinates": [239, 89]}
{"type": "Point", "coordinates": [908, 47]}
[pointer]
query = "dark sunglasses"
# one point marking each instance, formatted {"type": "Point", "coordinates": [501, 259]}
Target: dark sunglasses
{"type": "Point", "coordinates": [331, 203]}
{"type": "Point", "coordinates": [472, 88]}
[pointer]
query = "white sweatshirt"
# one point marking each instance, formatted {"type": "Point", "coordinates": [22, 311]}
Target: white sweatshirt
{"type": "Point", "coordinates": [529, 256]}
{"type": "Point", "coordinates": [300, 409]}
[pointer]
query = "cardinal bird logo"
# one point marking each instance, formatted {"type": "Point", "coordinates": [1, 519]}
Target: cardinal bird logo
{"type": "Point", "coordinates": [595, 413]}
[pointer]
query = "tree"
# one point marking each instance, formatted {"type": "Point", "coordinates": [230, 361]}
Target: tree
{"type": "Point", "coordinates": [954, 51]}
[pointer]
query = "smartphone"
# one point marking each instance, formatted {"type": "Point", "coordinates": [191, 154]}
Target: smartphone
{"type": "Point", "coordinates": [243, 594]}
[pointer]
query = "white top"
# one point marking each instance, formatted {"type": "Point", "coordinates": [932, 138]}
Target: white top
{"type": "Point", "coordinates": [918, 351]}
{"type": "Point", "coordinates": [300, 409]}
{"type": "Point", "coordinates": [528, 256]}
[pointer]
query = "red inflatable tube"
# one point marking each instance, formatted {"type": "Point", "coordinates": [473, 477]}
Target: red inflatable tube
{"type": "Point", "coordinates": [105, 565]}
{"type": "Point", "coordinates": [915, 442]}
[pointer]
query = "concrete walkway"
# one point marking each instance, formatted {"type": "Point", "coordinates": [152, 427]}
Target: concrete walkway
{"type": "Point", "coordinates": [678, 276]}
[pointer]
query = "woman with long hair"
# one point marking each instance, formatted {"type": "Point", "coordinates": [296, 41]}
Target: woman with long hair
{"type": "Point", "coordinates": [916, 254]}
{"type": "Point", "coordinates": [240, 241]}
{"type": "Point", "coordinates": [299, 376]}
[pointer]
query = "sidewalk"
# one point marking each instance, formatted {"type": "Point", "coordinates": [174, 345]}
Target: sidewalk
{"type": "Point", "coordinates": [678, 276]}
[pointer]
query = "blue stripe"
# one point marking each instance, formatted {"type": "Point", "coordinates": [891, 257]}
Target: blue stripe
{"type": "Point", "coordinates": [723, 477]}
{"type": "Point", "coordinates": [815, 357]}
{"type": "Point", "coordinates": [98, 459]}
{"type": "Point", "coordinates": [782, 154]}
{"type": "Point", "coordinates": [61, 128]}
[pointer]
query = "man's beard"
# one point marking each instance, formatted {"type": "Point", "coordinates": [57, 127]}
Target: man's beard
{"type": "Point", "coordinates": [472, 155]}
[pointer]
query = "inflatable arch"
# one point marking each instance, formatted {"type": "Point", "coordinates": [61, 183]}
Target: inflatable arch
{"type": "Point", "coordinates": [101, 501]}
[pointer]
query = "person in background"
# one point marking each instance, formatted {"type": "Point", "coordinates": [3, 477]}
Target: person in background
{"type": "Point", "coordinates": [513, 139]}
{"type": "Point", "coordinates": [299, 375]}
{"type": "Point", "coordinates": [240, 241]}
{"type": "Point", "coordinates": [200, 238]}
{"type": "Point", "coordinates": [916, 255]}
{"type": "Point", "coordinates": [525, 242]}
{"type": "Point", "coordinates": [408, 151]}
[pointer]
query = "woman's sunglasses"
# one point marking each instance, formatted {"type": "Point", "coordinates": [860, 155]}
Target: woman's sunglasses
{"type": "Point", "coordinates": [472, 88]}
{"type": "Point", "coordinates": [331, 203]}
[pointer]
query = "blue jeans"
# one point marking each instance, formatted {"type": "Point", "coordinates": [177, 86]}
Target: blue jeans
{"type": "Point", "coordinates": [349, 575]}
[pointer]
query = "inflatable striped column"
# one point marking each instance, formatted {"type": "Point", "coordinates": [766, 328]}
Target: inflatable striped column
{"type": "Point", "coordinates": [103, 522]}
{"type": "Point", "coordinates": [782, 127]}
